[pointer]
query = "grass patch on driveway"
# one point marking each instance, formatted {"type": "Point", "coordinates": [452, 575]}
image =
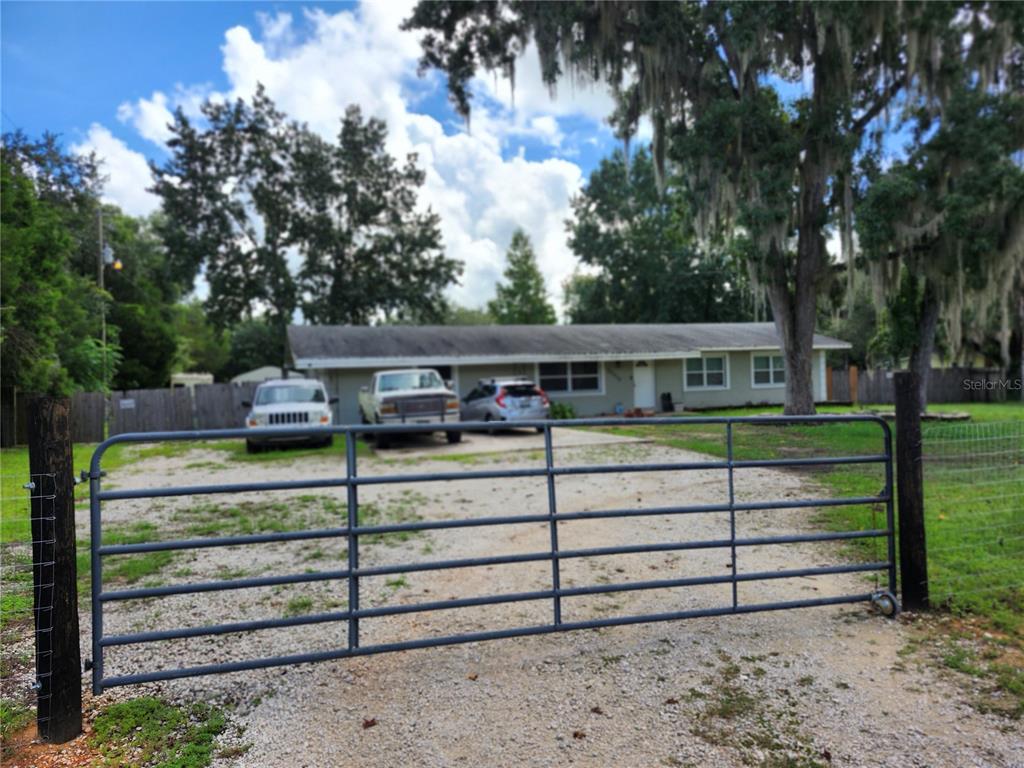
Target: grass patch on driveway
{"type": "Point", "coordinates": [149, 731]}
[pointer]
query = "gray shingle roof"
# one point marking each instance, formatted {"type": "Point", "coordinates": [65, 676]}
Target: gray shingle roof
{"type": "Point", "coordinates": [346, 346]}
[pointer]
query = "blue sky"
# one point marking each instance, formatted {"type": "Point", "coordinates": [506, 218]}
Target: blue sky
{"type": "Point", "coordinates": [106, 76]}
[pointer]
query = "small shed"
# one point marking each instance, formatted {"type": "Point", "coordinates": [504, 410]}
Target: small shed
{"type": "Point", "coordinates": [263, 373]}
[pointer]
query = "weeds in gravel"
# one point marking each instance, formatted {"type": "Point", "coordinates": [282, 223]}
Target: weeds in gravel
{"type": "Point", "coordinates": [765, 729]}
{"type": "Point", "coordinates": [127, 569]}
{"type": "Point", "coordinates": [148, 731]}
{"type": "Point", "coordinates": [404, 509]}
{"type": "Point", "coordinates": [988, 662]}
{"type": "Point", "coordinates": [298, 606]}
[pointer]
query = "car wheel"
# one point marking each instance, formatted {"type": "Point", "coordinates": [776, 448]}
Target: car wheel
{"type": "Point", "coordinates": [540, 430]}
{"type": "Point", "coordinates": [251, 447]}
{"type": "Point", "coordinates": [490, 430]}
{"type": "Point", "coordinates": [328, 442]}
{"type": "Point", "coordinates": [453, 437]}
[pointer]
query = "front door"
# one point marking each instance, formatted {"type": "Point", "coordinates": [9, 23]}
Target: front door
{"type": "Point", "coordinates": [643, 384]}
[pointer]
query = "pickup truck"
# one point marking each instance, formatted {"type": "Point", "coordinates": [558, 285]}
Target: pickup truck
{"type": "Point", "coordinates": [415, 396]}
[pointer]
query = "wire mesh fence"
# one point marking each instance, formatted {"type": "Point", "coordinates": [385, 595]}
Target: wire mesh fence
{"type": "Point", "coordinates": [974, 515]}
{"type": "Point", "coordinates": [26, 595]}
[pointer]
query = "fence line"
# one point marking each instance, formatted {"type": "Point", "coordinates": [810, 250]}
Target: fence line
{"type": "Point", "coordinates": [975, 542]}
{"type": "Point", "coordinates": [26, 611]}
{"type": "Point", "coordinates": [945, 385]}
{"type": "Point", "coordinates": [95, 416]}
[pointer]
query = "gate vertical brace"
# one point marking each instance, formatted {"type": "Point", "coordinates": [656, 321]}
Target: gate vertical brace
{"type": "Point", "coordinates": [353, 540]}
{"type": "Point", "coordinates": [732, 509]}
{"type": "Point", "coordinates": [890, 509]}
{"type": "Point", "coordinates": [96, 577]}
{"type": "Point", "coordinates": [556, 579]}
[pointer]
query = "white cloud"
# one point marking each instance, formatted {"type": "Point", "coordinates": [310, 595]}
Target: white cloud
{"type": "Point", "coordinates": [531, 96]}
{"type": "Point", "coordinates": [127, 171]}
{"type": "Point", "coordinates": [151, 117]}
{"type": "Point", "coordinates": [478, 180]}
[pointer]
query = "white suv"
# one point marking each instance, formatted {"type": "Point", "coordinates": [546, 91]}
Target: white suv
{"type": "Point", "coordinates": [289, 403]}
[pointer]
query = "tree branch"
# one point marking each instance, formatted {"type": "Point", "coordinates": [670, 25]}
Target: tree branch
{"type": "Point", "coordinates": [862, 122]}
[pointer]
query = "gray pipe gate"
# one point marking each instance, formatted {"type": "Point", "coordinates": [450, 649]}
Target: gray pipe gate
{"type": "Point", "coordinates": [352, 572]}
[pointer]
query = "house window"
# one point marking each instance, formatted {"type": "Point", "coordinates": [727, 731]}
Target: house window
{"type": "Point", "coordinates": [769, 371]}
{"type": "Point", "coordinates": [706, 373]}
{"type": "Point", "coordinates": [570, 377]}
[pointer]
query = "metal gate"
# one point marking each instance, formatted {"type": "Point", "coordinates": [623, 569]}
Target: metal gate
{"type": "Point", "coordinates": [351, 571]}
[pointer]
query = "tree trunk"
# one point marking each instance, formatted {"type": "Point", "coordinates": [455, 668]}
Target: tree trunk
{"type": "Point", "coordinates": [1020, 340]}
{"type": "Point", "coordinates": [921, 354]}
{"type": "Point", "coordinates": [796, 336]}
{"type": "Point", "coordinates": [795, 301]}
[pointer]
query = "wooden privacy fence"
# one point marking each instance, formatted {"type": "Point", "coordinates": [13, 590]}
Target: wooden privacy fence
{"type": "Point", "coordinates": [150, 410]}
{"type": "Point", "coordinates": [219, 406]}
{"type": "Point", "coordinates": [945, 385]}
{"type": "Point", "coordinates": [88, 417]}
{"type": "Point", "coordinates": [95, 416]}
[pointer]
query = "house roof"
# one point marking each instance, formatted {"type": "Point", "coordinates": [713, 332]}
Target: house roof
{"type": "Point", "coordinates": [344, 346]}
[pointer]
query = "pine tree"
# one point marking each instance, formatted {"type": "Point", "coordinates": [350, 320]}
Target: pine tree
{"type": "Point", "coordinates": [522, 300]}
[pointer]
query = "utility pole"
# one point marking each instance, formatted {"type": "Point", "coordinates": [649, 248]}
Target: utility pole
{"type": "Point", "coordinates": [99, 281]}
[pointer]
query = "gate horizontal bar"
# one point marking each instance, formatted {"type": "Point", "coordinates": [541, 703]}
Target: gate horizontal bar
{"type": "Point", "coordinates": [216, 586]}
{"type": "Point", "coordinates": [496, 474]}
{"type": "Point", "coordinates": [205, 490]}
{"type": "Point", "coordinates": [427, 525]}
{"type": "Point", "coordinates": [470, 602]}
{"type": "Point", "coordinates": [471, 637]}
{"type": "Point", "coordinates": [475, 562]}
{"type": "Point", "coordinates": [223, 541]}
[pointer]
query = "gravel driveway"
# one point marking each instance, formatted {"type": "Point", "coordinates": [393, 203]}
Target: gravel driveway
{"type": "Point", "coordinates": [804, 687]}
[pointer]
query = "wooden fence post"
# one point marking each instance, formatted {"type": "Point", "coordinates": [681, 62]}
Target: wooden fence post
{"type": "Point", "coordinates": [853, 384]}
{"type": "Point", "coordinates": [910, 491]}
{"type": "Point", "coordinates": [58, 659]}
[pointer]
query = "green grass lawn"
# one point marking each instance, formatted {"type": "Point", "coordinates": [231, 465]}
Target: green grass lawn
{"type": "Point", "coordinates": [974, 523]}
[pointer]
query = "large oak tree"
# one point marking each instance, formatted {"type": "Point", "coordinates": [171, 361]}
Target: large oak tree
{"type": "Point", "coordinates": [717, 81]}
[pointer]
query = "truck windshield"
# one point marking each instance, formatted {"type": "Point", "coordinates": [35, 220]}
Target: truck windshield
{"type": "Point", "coordinates": [392, 382]}
{"type": "Point", "coordinates": [290, 394]}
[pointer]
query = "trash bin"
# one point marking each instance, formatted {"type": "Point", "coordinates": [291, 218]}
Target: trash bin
{"type": "Point", "coordinates": [666, 402]}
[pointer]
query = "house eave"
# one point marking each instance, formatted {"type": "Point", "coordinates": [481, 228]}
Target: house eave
{"type": "Point", "coordinates": [325, 363]}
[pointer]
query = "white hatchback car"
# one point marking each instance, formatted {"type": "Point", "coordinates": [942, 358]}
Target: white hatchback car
{"type": "Point", "coordinates": [289, 403]}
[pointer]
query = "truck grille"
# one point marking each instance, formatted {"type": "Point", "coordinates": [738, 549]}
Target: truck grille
{"type": "Point", "coordinates": [289, 418]}
{"type": "Point", "coordinates": [414, 406]}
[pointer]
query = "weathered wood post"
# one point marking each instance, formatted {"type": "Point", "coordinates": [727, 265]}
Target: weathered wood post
{"type": "Point", "coordinates": [910, 491]}
{"type": "Point", "coordinates": [854, 384]}
{"type": "Point", "coordinates": [58, 659]}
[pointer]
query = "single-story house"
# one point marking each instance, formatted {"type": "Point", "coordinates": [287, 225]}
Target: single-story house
{"type": "Point", "coordinates": [599, 369]}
